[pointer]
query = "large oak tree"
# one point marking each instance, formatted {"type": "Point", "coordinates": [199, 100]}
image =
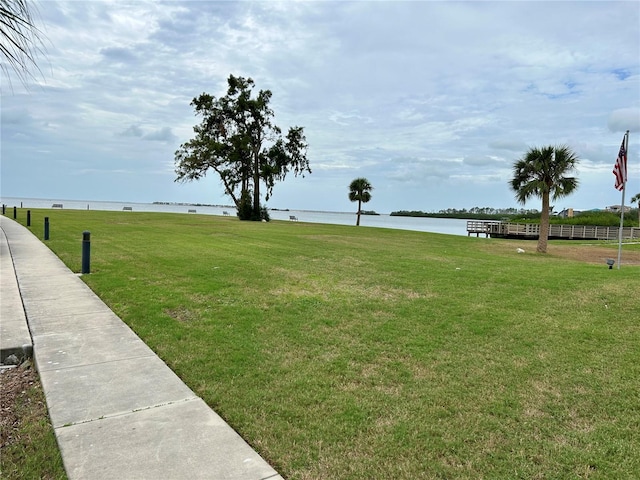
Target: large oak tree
{"type": "Point", "coordinates": [239, 141]}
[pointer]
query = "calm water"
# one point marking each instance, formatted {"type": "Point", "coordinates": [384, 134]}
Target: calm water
{"type": "Point", "coordinates": [450, 226]}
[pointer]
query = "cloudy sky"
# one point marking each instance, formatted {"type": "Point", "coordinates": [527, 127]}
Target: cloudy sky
{"type": "Point", "coordinates": [431, 101]}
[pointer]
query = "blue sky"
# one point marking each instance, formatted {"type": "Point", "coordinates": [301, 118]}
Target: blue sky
{"type": "Point", "coordinates": [431, 101]}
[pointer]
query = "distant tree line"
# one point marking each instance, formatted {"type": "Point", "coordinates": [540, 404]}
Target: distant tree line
{"type": "Point", "coordinates": [521, 215]}
{"type": "Point", "coordinates": [475, 213]}
{"type": "Point", "coordinates": [599, 218]}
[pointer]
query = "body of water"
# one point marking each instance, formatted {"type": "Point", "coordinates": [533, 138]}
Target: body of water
{"type": "Point", "coordinates": [449, 226]}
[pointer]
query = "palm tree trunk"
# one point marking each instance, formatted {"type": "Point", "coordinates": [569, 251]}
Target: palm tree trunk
{"type": "Point", "coordinates": [359, 206]}
{"type": "Point", "coordinates": [544, 224]}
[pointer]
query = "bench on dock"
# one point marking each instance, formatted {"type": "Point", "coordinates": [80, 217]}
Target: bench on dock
{"type": "Point", "coordinates": [293, 218]}
{"type": "Point", "coordinates": [191, 211]}
{"type": "Point", "coordinates": [56, 205]}
{"type": "Point", "coordinates": [127, 209]}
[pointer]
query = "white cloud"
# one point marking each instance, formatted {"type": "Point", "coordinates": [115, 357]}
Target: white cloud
{"type": "Point", "coordinates": [132, 131]}
{"type": "Point", "coordinates": [625, 119]}
{"type": "Point", "coordinates": [512, 145]}
{"type": "Point", "coordinates": [163, 134]}
{"type": "Point", "coordinates": [432, 100]}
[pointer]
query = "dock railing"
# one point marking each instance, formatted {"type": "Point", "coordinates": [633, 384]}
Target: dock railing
{"type": "Point", "coordinates": [480, 227]}
{"type": "Point", "coordinates": [532, 230]}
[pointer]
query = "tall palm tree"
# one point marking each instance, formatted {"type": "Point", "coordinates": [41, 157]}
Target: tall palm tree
{"type": "Point", "coordinates": [542, 172]}
{"type": "Point", "coordinates": [20, 40]}
{"type": "Point", "coordinates": [636, 199]}
{"type": "Point", "coordinates": [360, 191]}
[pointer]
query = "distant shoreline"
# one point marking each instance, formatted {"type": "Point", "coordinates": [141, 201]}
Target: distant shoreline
{"type": "Point", "coordinates": [187, 204]}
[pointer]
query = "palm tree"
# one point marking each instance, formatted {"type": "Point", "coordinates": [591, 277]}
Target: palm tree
{"type": "Point", "coordinates": [636, 199]}
{"type": "Point", "coordinates": [20, 40]}
{"type": "Point", "coordinates": [541, 172]}
{"type": "Point", "coordinates": [360, 191]}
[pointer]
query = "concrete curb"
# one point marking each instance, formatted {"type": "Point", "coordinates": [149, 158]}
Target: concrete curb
{"type": "Point", "coordinates": [15, 338]}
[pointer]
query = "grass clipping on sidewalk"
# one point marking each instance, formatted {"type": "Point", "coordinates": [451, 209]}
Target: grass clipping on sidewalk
{"type": "Point", "coordinates": [344, 352]}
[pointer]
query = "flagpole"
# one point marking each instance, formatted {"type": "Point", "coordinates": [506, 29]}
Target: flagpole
{"type": "Point", "coordinates": [624, 187]}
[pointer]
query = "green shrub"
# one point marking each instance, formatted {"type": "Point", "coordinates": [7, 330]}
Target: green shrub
{"type": "Point", "coordinates": [599, 218]}
{"type": "Point", "coordinates": [245, 209]}
{"type": "Point", "coordinates": [264, 214]}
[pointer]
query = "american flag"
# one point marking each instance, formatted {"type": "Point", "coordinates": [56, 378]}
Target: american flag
{"type": "Point", "coordinates": [620, 168]}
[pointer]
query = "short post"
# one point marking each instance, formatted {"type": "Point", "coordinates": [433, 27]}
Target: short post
{"type": "Point", "coordinates": [86, 252]}
{"type": "Point", "coordinates": [15, 212]}
{"type": "Point", "coordinates": [46, 228]}
{"type": "Point", "coordinates": [4, 209]}
{"type": "Point", "coordinates": [28, 218]}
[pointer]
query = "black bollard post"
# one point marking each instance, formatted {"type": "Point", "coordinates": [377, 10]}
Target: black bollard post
{"type": "Point", "coordinates": [46, 228]}
{"type": "Point", "coordinates": [28, 218]}
{"type": "Point", "coordinates": [4, 209]}
{"type": "Point", "coordinates": [15, 212]}
{"type": "Point", "coordinates": [86, 252]}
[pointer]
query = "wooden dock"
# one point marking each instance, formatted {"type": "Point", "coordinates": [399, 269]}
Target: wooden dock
{"type": "Point", "coordinates": [495, 229]}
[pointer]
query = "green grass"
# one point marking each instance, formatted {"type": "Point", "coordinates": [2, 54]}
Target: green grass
{"type": "Point", "coordinates": [352, 353]}
{"type": "Point", "coordinates": [30, 449]}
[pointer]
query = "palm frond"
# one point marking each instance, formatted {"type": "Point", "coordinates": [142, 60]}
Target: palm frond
{"type": "Point", "coordinates": [544, 170]}
{"type": "Point", "coordinates": [360, 189]}
{"type": "Point", "coordinates": [20, 40]}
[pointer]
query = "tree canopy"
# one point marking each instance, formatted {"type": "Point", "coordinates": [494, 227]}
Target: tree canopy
{"type": "Point", "coordinates": [360, 191]}
{"type": "Point", "coordinates": [239, 141]}
{"type": "Point", "coordinates": [542, 172]}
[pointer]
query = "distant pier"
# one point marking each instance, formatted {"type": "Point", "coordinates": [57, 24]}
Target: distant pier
{"type": "Point", "coordinates": [495, 229]}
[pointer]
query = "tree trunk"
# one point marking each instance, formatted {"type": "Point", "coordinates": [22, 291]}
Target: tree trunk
{"type": "Point", "coordinates": [256, 195]}
{"type": "Point", "coordinates": [544, 224]}
{"type": "Point", "coordinates": [227, 188]}
{"type": "Point", "coordinates": [256, 182]}
{"type": "Point", "coordinates": [359, 206]}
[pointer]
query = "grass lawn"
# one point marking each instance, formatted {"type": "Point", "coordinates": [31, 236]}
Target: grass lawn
{"type": "Point", "coordinates": [353, 353]}
{"type": "Point", "coordinates": [28, 448]}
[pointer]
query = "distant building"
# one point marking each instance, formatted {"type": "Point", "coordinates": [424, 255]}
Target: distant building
{"type": "Point", "coordinates": [567, 213]}
{"type": "Point", "coordinates": [617, 208]}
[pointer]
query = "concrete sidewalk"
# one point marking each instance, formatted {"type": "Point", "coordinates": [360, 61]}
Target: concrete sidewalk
{"type": "Point", "coordinates": [15, 338]}
{"type": "Point", "coordinates": [117, 410]}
